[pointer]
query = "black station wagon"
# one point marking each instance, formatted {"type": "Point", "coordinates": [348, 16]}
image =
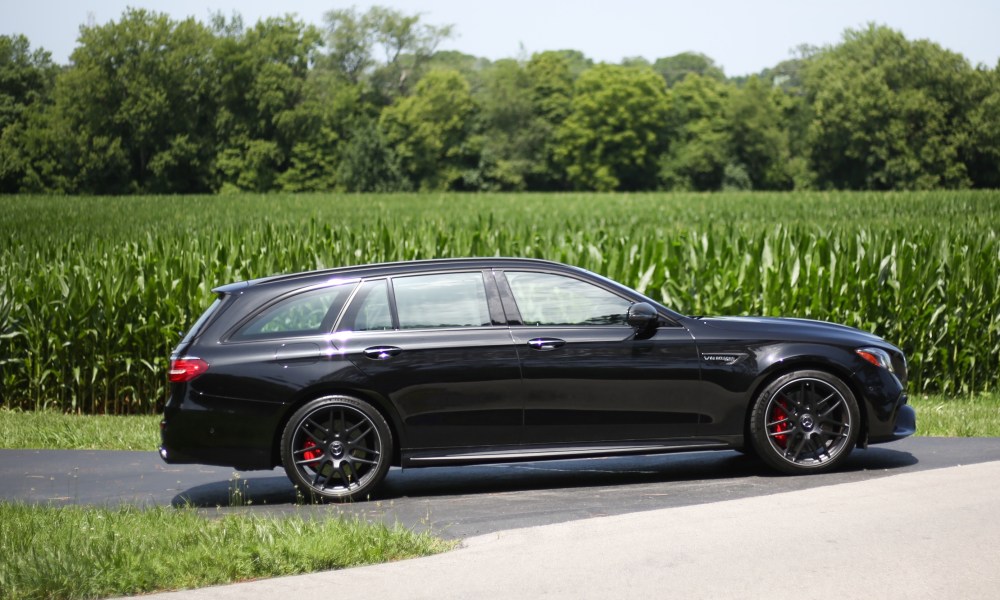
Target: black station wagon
{"type": "Point", "coordinates": [339, 374]}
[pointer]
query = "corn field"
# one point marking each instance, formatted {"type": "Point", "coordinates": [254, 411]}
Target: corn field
{"type": "Point", "coordinates": [95, 292]}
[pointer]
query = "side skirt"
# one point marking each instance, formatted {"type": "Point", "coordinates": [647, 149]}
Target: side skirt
{"type": "Point", "coordinates": [461, 456]}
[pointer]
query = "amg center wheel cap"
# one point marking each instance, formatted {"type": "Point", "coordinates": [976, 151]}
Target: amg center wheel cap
{"type": "Point", "coordinates": [337, 449]}
{"type": "Point", "coordinates": [807, 422]}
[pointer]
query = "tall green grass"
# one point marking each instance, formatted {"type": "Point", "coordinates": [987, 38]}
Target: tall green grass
{"type": "Point", "coordinates": [52, 430]}
{"type": "Point", "coordinates": [94, 292]}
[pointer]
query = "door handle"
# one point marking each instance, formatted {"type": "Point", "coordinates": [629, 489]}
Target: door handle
{"type": "Point", "coordinates": [546, 343]}
{"type": "Point", "coordinates": [382, 352]}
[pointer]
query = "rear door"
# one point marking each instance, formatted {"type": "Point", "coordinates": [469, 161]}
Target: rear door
{"type": "Point", "coordinates": [436, 346]}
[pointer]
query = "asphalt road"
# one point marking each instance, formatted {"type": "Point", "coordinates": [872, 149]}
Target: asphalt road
{"type": "Point", "coordinates": [914, 534]}
{"type": "Point", "coordinates": [460, 502]}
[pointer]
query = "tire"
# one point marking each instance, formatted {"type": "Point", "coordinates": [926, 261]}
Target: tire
{"type": "Point", "coordinates": [336, 448]}
{"type": "Point", "coordinates": [805, 422]}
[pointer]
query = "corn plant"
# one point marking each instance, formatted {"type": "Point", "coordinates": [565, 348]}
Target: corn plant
{"type": "Point", "coordinates": [95, 291]}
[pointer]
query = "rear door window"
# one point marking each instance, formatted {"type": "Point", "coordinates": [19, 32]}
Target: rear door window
{"type": "Point", "coordinates": [441, 300]}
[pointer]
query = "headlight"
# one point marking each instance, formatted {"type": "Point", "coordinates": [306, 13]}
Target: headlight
{"type": "Point", "coordinates": [877, 357]}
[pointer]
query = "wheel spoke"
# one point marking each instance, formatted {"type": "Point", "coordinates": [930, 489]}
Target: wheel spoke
{"type": "Point", "coordinates": [319, 474]}
{"type": "Point", "coordinates": [319, 441]}
{"type": "Point", "coordinates": [833, 407]}
{"type": "Point", "coordinates": [788, 400]}
{"type": "Point", "coordinates": [363, 460]}
{"type": "Point", "coordinates": [346, 431]}
{"type": "Point", "coordinates": [307, 449]}
{"type": "Point", "coordinates": [366, 450]}
{"type": "Point", "coordinates": [361, 436]}
{"type": "Point", "coordinates": [821, 449]}
{"type": "Point", "coordinates": [316, 425]}
{"type": "Point", "coordinates": [798, 449]}
{"type": "Point", "coordinates": [345, 474]}
{"type": "Point", "coordinates": [835, 434]}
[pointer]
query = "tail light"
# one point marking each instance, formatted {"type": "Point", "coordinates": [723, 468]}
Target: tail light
{"type": "Point", "coordinates": [186, 369]}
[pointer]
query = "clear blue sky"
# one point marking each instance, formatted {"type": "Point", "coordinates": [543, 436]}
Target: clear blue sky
{"type": "Point", "coordinates": [742, 36]}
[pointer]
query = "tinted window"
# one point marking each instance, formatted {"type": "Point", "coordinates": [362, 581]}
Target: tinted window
{"type": "Point", "coordinates": [546, 299]}
{"type": "Point", "coordinates": [308, 313]}
{"type": "Point", "coordinates": [196, 328]}
{"type": "Point", "coordinates": [369, 310]}
{"type": "Point", "coordinates": [450, 300]}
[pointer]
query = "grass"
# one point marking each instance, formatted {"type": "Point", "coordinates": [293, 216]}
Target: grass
{"type": "Point", "coordinates": [56, 431]}
{"type": "Point", "coordinates": [87, 552]}
{"type": "Point", "coordinates": [969, 416]}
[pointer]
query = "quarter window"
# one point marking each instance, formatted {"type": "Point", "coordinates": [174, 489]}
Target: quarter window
{"type": "Point", "coordinates": [448, 300]}
{"type": "Point", "coordinates": [309, 313]}
{"type": "Point", "coordinates": [370, 309]}
{"type": "Point", "coordinates": [555, 300]}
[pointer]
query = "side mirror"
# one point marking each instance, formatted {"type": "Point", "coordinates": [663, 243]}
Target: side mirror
{"type": "Point", "coordinates": [642, 316]}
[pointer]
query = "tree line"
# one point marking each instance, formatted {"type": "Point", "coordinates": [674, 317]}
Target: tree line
{"type": "Point", "coordinates": [367, 103]}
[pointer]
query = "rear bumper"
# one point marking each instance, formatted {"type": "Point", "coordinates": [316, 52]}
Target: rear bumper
{"type": "Point", "coordinates": [208, 431]}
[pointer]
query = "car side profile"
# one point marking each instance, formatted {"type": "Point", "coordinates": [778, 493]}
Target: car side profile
{"type": "Point", "coordinates": [341, 373]}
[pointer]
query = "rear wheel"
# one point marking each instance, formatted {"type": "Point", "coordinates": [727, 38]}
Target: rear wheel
{"type": "Point", "coordinates": [805, 422]}
{"type": "Point", "coordinates": [336, 448]}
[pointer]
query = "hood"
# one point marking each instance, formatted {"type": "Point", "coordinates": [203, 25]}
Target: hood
{"type": "Point", "coordinates": [787, 328]}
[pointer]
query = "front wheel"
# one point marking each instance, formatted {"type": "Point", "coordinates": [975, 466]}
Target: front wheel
{"type": "Point", "coordinates": [336, 448]}
{"type": "Point", "coordinates": [805, 422]}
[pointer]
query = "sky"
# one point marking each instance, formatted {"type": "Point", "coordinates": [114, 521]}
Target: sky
{"type": "Point", "coordinates": [743, 37]}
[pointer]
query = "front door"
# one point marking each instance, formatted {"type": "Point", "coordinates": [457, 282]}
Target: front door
{"type": "Point", "coordinates": [587, 377]}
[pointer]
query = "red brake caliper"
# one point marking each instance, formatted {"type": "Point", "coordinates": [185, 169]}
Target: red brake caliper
{"type": "Point", "coordinates": [779, 414]}
{"type": "Point", "coordinates": [311, 455]}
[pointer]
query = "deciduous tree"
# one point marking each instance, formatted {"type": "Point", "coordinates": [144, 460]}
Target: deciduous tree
{"type": "Point", "coordinates": [616, 129]}
{"type": "Point", "coordinates": [429, 130]}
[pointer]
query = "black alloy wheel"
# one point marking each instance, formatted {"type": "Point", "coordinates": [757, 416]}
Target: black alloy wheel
{"type": "Point", "coordinates": [805, 422]}
{"type": "Point", "coordinates": [336, 448]}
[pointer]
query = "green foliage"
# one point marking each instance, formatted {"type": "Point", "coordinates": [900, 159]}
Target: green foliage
{"type": "Point", "coordinates": [405, 44]}
{"type": "Point", "coordinates": [429, 130]}
{"type": "Point", "coordinates": [276, 126]}
{"type": "Point", "coordinates": [26, 80]}
{"type": "Point", "coordinates": [139, 96]}
{"type": "Point", "coordinates": [757, 142]}
{"type": "Point", "coordinates": [700, 144]}
{"type": "Point", "coordinates": [95, 292]}
{"type": "Point", "coordinates": [511, 137]}
{"type": "Point", "coordinates": [615, 129]}
{"type": "Point", "coordinates": [152, 105]}
{"type": "Point", "coordinates": [675, 68]}
{"type": "Point", "coordinates": [890, 113]}
{"type": "Point", "coordinates": [83, 552]}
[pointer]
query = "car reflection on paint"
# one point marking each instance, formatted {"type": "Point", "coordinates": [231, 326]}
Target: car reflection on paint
{"type": "Point", "coordinates": [339, 374]}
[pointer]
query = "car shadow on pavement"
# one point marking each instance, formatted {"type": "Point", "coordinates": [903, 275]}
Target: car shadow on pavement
{"type": "Point", "coordinates": [554, 475]}
{"type": "Point", "coordinates": [605, 472]}
{"type": "Point", "coordinates": [255, 491]}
